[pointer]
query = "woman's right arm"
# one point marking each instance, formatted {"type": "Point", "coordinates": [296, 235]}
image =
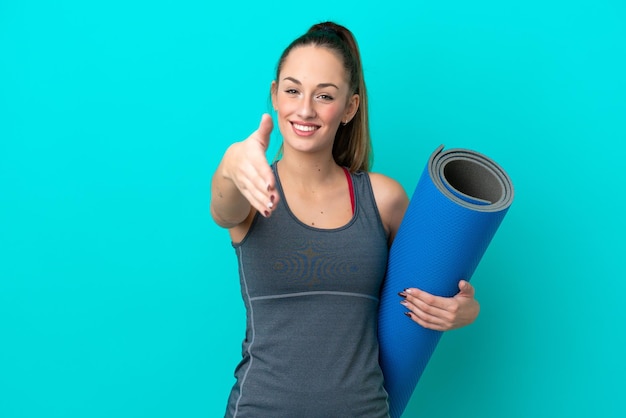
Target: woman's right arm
{"type": "Point", "coordinates": [244, 180]}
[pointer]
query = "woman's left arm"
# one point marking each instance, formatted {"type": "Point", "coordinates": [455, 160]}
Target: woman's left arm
{"type": "Point", "coordinates": [430, 311]}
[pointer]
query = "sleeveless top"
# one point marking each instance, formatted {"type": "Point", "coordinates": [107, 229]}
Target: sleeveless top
{"type": "Point", "coordinates": [311, 298]}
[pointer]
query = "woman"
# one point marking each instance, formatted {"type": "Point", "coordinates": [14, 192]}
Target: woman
{"type": "Point", "coordinates": [312, 233]}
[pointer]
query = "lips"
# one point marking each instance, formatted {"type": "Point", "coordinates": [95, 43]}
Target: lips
{"type": "Point", "coordinates": [304, 128]}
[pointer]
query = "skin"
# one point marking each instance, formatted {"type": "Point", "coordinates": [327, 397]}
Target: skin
{"type": "Point", "coordinates": [312, 98]}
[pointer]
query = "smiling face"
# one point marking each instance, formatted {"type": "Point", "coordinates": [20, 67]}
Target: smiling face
{"type": "Point", "coordinates": [312, 97]}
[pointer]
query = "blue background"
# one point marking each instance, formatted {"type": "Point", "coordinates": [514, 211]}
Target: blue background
{"type": "Point", "coordinates": [118, 295]}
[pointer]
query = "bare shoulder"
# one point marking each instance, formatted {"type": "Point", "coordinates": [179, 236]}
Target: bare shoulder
{"type": "Point", "coordinates": [385, 188]}
{"type": "Point", "coordinates": [391, 199]}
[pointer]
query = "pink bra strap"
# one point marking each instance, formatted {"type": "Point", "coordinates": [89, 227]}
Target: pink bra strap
{"type": "Point", "coordinates": [350, 187]}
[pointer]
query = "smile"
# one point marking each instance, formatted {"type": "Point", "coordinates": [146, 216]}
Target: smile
{"type": "Point", "coordinates": [304, 128]}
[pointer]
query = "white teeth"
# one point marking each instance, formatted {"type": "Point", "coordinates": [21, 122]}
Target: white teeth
{"type": "Point", "coordinates": [309, 128]}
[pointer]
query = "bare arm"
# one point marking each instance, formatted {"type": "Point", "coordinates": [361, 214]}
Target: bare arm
{"type": "Point", "coordinates": [392, 202]}
{"type": "Point", "coordinates": [244, 180]}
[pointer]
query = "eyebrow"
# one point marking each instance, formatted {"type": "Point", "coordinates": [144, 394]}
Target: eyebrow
{"type": "Point", "coordinates": [322, 85]}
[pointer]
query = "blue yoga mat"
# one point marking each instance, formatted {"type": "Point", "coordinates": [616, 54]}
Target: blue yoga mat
{"type": "Point", "coordinates": [456, 208]}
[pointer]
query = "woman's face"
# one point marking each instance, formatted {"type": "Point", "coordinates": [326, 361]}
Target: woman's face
{"type": "Point", "coordinates": [312, 97]}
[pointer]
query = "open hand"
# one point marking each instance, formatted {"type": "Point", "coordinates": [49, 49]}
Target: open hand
{"type": "Point", "coordinates": [245, 164]}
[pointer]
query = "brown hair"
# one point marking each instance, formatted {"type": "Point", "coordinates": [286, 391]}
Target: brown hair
{"type": "Point", "coordinates": [352, 146]}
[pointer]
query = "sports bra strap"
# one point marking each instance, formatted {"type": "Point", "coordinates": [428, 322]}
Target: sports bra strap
{"type": "Point", "coordinates": [350, 187]}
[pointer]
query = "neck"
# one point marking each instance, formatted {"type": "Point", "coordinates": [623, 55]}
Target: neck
{"type": "Point", "coordinates": [308, 170]}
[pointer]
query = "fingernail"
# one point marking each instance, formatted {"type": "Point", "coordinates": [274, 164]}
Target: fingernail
{"type": "Point", "coordinates": [407, 314]}
{"type": "Point", "coordinates": [272, 198]}
{"type": "Point", "coordinates": [409, 291]}
{"type": "Point", "coordinates": [402, 294]}
{"type": "Point", "coordinates": [268, 187]}
{"type": "Point", "coordinates": [266, 214]}
{"type": "Point", "coordinates": [270, 205]}
{"type": "Point", "coordinates": [404, 302]}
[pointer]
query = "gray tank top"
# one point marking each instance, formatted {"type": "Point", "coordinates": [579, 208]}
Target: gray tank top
{"type": "Point", "coordinates": [311, 298]}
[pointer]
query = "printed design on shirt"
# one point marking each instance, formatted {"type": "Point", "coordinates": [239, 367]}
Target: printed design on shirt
{"type": "Point", "coordinates": [311, 264]}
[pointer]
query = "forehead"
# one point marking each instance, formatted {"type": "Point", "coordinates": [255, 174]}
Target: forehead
{"type": "Point", "coordinates": [314, 64]}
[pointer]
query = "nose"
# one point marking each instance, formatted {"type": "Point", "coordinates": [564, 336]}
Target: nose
{"type": "Point", "coordinates": [307, 108]}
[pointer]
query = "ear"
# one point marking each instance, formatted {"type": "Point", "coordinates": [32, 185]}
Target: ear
{"type": "Point", "coordinates": [352, 108]}
{"type": "Point", "coordinates": [273, 91]}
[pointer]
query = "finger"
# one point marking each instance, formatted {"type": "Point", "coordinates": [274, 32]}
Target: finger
{"type": "Point", "coordinates": [262, 135]}
{"type": "Point", "coordinates": [255, 178]}
{"type": "Point", "coordinates": [466, 289]}
{"type": "Point", "coordinates": [416, 296]}
{"type": "Point", "coordinates": [256, 190]}
{"type": "Point", "coordinates": [265, 184]}
{"type": "Point", "coordinates": [264, 130]}
{"type": "Point", "coordinates": [431, 313]}
{"type": "Point", "coordinates": [441, 313]}
{"type": "Point", "coordinates": [426, 322]}
{"type": "Point", "coordinates": [432, 317]}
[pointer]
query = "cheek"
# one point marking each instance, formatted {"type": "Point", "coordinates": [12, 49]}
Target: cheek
{"type": "Point", "coordinates": [285, 107]}
{"type": "Point", "coordinates": [332, 112]}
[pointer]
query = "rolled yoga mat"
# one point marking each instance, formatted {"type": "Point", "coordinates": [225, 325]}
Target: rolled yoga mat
{"type": "Point", "coordinates": [456, 208]}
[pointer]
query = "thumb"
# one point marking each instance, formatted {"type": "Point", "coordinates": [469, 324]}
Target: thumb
{"type": "Point", "coordinates": [466, 289]}
{"type": "Point", "coordinates": [265, 129]}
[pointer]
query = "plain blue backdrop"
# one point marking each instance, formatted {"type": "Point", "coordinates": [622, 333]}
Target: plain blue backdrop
{"type": "Point", "coordinates": [119, 296]}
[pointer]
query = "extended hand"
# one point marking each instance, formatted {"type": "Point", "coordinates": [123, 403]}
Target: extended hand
{"type": "Point", "coordinates": [247, 167]}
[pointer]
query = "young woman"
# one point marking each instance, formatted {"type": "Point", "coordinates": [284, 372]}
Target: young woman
{"type": "Point", "coordinates": [312, 232]}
